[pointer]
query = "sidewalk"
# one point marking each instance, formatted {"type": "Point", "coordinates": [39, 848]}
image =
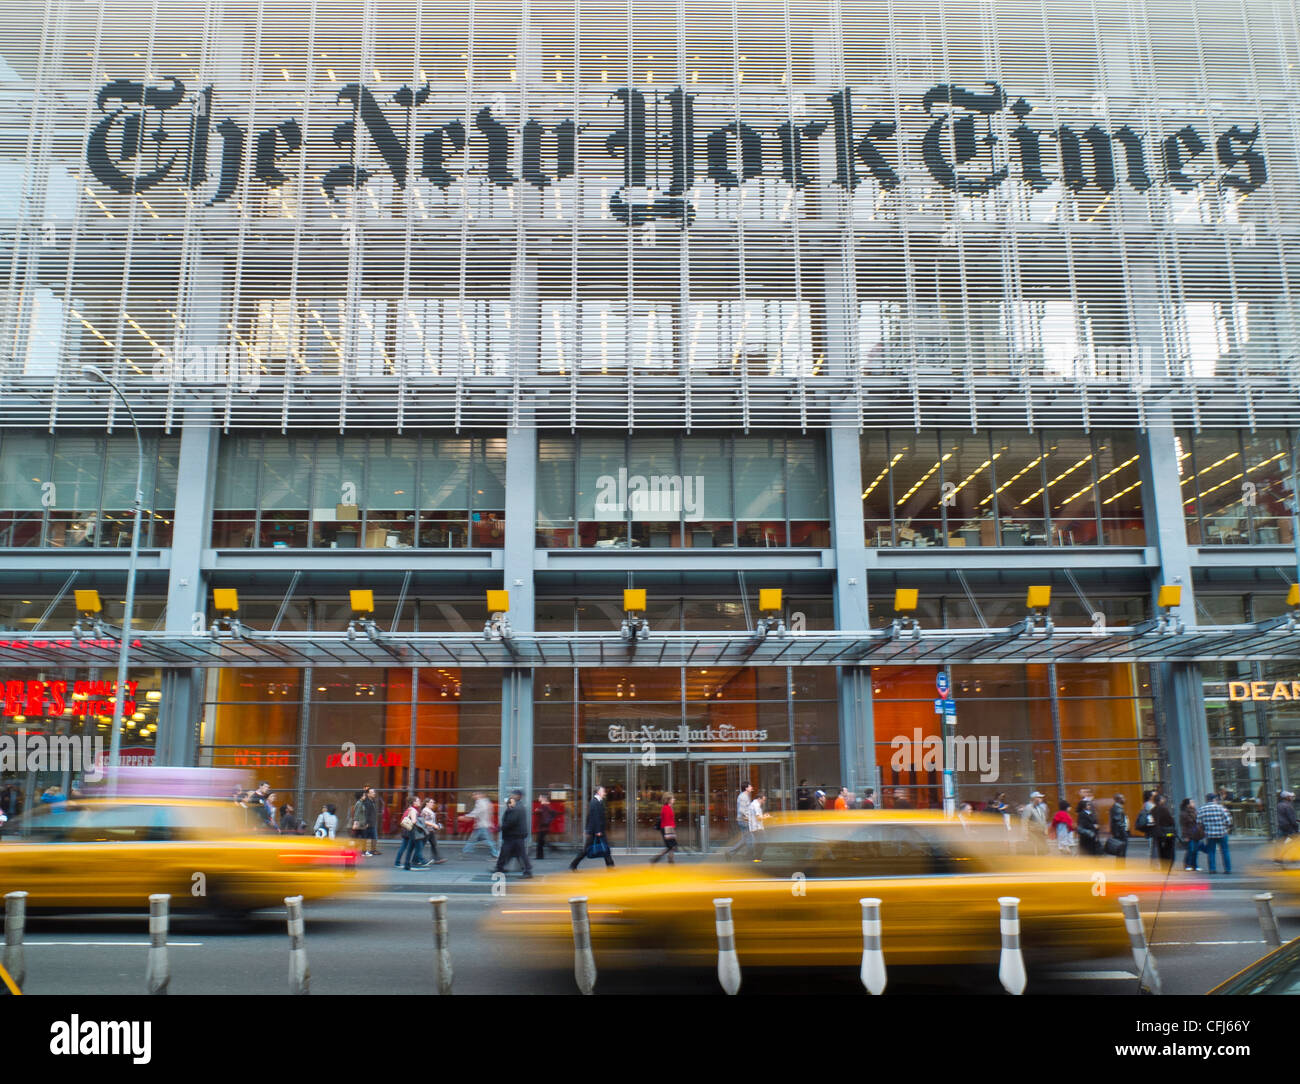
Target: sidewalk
{"type": "Point", "coordinates": [472, 874]}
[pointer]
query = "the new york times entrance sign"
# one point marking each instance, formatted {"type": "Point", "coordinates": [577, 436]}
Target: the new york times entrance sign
{"type": "Point", "coordinates": [132, 148]}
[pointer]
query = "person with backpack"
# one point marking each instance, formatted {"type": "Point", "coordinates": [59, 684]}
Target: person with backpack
{"type": "Point", "coordinates": [326, 823]}
{"type": "Point", "coordinates": [668, 829]}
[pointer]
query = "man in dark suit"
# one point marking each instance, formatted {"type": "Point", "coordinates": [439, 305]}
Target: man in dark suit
{"type": "Point", "coordinates": [514, 834]}
{"type": "Point", "coordinates": [595, 829]}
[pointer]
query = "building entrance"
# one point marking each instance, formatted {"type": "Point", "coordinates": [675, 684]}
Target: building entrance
{"type": "Point", "coordinates": [704, 788]}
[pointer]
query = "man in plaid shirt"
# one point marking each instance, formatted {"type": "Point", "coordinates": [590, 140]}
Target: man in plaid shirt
{"type": "Point", "coordinates": [1216, 822]}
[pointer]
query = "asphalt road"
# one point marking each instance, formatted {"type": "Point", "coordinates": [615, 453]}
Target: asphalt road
{"type": "Point", "coordinates": [381, 943]}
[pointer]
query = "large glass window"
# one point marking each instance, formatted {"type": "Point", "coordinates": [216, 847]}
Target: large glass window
{"type": "Point", "coordinates": [358, 728]}
{"type": "Point", "coordinates": [1237, 487]}
{"type": "Point", "coordinates": [356, 492]}
{"type": "Point", "coordinates": [78, 490]}
{"type": "Point", "coordinates": [1000, 489]}
{"type": "Point", "coordinates": [671, 492]}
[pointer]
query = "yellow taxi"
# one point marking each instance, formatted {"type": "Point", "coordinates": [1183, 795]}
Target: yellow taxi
{"type": "Point", "coordinates": [110, 854]}
{"type": "Point", "coordinates": [1278, 864]}
{"type": "Point", "coordinates": [939, 881]}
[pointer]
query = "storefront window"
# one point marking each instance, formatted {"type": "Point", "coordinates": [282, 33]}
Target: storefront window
{"type": "Point", "coordinates": [1008, 718]}
{"type": "Point", "coordinates": [78, 704]}
{"type": "Point", "coordinates": [348, 729]}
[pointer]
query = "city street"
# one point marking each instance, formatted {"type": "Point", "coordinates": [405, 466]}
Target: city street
{"type": "Point", "coordinates": [381, 942]}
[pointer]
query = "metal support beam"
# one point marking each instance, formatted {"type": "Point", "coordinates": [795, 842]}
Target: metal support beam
{"type": "Point", "coordinates": [182, 690]}
{"type": "Point", "coordinates": [1186, 736]}
{"type": "Point", "coordinates": [517, 570]}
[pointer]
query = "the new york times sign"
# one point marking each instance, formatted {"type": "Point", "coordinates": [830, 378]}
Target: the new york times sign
{"type": "Point", "coordinates": [973, 142]}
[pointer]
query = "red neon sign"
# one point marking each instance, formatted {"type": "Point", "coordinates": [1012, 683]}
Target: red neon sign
{"type": "Point", "coordinates": [88, 698]}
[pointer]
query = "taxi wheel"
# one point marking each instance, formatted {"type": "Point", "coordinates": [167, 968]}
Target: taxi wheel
{"type": "Point", "coordinates": [226, 907]}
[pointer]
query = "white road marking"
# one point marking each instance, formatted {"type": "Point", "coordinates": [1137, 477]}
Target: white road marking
{"type": "Point", "coordinates": [108, 944]}
{"type": "Point", "coordinates": [1093, 975]}
{"type": "Point", "coordinates": [1161, 944]}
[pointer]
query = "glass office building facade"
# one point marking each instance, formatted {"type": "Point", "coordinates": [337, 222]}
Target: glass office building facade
{"type": "Point", "coordinates": [833, 298]}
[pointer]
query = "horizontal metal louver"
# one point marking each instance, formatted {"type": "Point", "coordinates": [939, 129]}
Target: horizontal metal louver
{"type": "Point", "coordinates": [656, 214]}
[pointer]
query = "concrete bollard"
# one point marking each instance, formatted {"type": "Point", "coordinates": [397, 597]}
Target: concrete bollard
{"type": "Point", "coordinates": [584, 963]}
{"type": "Point", "coordinates": [1137, 937]}
{"type": "Point", "coordinates": [873, 956]}
{"type": "Point", "coordinates": [15, 923]}
{"type": "Point", "coordinates": [1011, 968]}
{"type": "Point", "coordinates": [158, 974]}
{"type": "Point", "coordinates": [299, 973]}
{"type": "Point", "coordinates": [442, 952]}
{"type": "Point", "coordinates": [728, 961]}
{"type": "Point", "coordinates": [1267, 923]}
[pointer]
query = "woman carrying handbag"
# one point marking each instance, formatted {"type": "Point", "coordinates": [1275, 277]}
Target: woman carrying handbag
{"type": "Point", "coordinates": [668, 829]}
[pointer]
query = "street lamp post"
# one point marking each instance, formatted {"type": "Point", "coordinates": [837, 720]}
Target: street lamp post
{"type": "Point", "coordinates": [119, 698]}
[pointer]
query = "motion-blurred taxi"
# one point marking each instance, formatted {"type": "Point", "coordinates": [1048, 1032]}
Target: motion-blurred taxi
{"type": "Point", "coordinates": [110, 854]}
{"type": "Point", "coordinates": [939, 881]}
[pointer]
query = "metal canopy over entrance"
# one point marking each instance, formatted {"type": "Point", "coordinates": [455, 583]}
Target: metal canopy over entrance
{"type": "Point", "coordinates": [1263, 642]}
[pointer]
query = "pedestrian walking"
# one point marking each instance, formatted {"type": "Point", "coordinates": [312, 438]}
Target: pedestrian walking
{"type": "Point", "coordinates": [290, 822]}
{"type": "Point", "coordinates": [1145, 823]}
{"type": "Point", "coordinates": [1192, 832]}
{"type": "Point", "coordinates": [1063, 828]}
{"type": "Point", "coordinates": [1033, 823]}
{"type": "Point", "coordinates": [1117, 845]}
{"type": "Point", "coordinates": [360, 826]}
{"type": "Point", "coordinates": [429, 822]}
{"type": "Point", "coordinates": [514, 834]}
{"type": "Point", "coordinates": [596, 842]}
{"type": "Point", "coordinates": [1288, 825]}
{"type": "Point", "coordinates": [1162, 829]}
{"type": "Point", "coordinates": [410, 822]}
{"type": "Point", "coordinates": [844, 799]}
{"type": "Point", "coordinates": [371, 805]}
{"type": "Point", "coordinates": [1217, 823]}
{"type": "Point", "coordinates": [482, 830]}
{"type": "Point", "coordinates": [868, 800]}
{"type": "Point", "coordinates": [668, 830]}
{"type": "Point", "coordinates": [1089, 833]}
{"type": "Point", "coordinates": [745, 841]}
{"type": "Point", "coordinates": [327, 822]}
{"type": "Point", "coordinates": [545, 818]}
{"type": "Point", "coordinates": [756, 817]}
